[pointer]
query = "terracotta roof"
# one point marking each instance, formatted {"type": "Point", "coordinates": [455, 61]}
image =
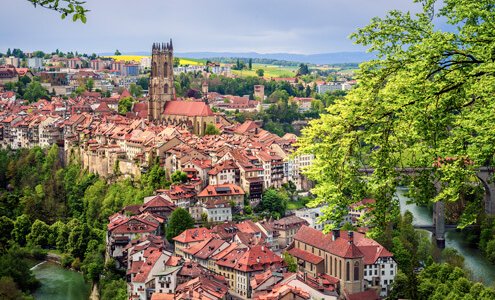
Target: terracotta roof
{"type": "Point", "coordinates": [341, 246]}
{"type": "Point", "coordinates": [193, 235]}
{"type": "Point", "coordinates": [306, 256]}
{"type": "Point", "coordinates": [366, 295]}
{"type": "Point", "coordinates": [187, 108]}
{"type": "Point", "coordinates": [221, 190]}
{"type": "Point", "coordinates": [257, 258]}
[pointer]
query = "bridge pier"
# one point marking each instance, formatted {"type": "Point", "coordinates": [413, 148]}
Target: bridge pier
{"type": "Point", "coordinates": [485, 175]}
{"type": "Point", "coordinates": [439, 223]}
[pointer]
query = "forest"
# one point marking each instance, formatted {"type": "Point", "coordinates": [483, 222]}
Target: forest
{"type": "Point", "coordinates": [48, 207]}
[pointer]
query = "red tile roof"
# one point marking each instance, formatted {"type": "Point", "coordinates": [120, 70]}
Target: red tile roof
{"type": "Point", "coordinates": [341, 246]}
{"type": "Point", "coordinates": [227, 189]}
{"type": "Point", "coordinates": [193, 235]}
{"type": "Point", "coordinates": [306, 256]}
{"type": "Point", "coordinates": [187, 108]}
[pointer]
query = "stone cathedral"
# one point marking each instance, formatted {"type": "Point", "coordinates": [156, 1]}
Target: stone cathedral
{"type": "Point", "coordinates": [163, 107]}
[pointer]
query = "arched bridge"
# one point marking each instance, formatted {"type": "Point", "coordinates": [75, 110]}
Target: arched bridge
{"type": "Point", "coordinates": [484, 174]}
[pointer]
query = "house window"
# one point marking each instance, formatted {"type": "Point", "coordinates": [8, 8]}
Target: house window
{"type": "Point", "coordinates": [391, 272]}
{"type": "Point", "coordinates": [356, 271]}
{"type": "Point", "coordinates": [383, 272]}
{"type": "Point", "coordinates": [348, 271]}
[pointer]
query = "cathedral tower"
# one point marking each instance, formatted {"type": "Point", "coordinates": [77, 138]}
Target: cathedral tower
{"type": "Point", "coordinates": [161, 84]}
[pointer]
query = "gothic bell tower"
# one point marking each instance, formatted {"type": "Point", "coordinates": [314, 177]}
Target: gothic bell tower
{"type": "Point", "coordinates": [161, 84]}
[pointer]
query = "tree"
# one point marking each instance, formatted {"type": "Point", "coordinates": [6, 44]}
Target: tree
{"type": "Point", "coordinates": [114, 290]}
{"type": "Point", "coordinates": [125, 105]}
{"type": "Point", "coordinates": [143, 82]}
{"type": "Point", "coordinates": [65, 8]}
{"type": "Point", "coordinates": [22, 227]}
{"type": "Point", "coordinates": [34, 92]}
{"type": "Point", "coordinates": [417, 99]}
{"type": "Point", "coordinates": [274, 202]}
{"type": "Point", "coordinates": [6, 227]}
{"type": "Point", "coordinates": [39, 235]}
{"type": "Point", "coordinates": [179, 177]}
{"type": "Point", "coordinates": [260, 72]}
{"type": "Point", "coordinates": [290, 261]}
{"type": "Point", "coordinates": [90, 84]}
{"type": "Point", "coordinates": [303, 69]}
{"type": "Point", "coordinates": [117, 52]}
{"type": "Point", "coordinates": [180, 220]}
{"type": "Point", "coordinates": [176, 62]}
{"type": "Point", "coordinates": [250, 64]}
{"type": "Point", "coordinates": [9, 290]}
{"type": "Point", "coordinates": [135, 90]}
{"type": "Point", "coordinates": [211, 129]}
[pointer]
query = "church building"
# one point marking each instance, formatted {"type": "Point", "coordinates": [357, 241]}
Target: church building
{"type": "Point", "coordinates": [163, 107]}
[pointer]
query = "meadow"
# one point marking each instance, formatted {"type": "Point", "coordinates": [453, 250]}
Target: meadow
{"type": "Point", "coordinates": [270, 71]}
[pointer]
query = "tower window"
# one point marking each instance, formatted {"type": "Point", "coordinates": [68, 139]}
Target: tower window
{"type": "Point", "coordinates": [165, 88]}
{"type": "Point", "coordinates": [356, 271]}
{"type": "Point", "coordinates": [165, 69]}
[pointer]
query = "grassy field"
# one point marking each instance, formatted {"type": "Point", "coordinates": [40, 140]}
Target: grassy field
{"type": "Point", "coordinates": [270, 71]}
{"type": "Point", "coordinates": [293, 205]}
{"type": "Point", "coordinates": [137, 58]}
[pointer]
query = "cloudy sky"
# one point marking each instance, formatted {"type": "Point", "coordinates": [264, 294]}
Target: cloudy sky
{"type": "Point", "coordinates": [265, 26]}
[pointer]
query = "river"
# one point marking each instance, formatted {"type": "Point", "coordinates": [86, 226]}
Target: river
{"type": "Point", "coordinates": [58, 283]}
{"type": "Point", "coordinates": [474, 261]}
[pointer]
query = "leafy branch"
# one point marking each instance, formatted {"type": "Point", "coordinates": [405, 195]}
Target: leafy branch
{"type": "Point", "coordinates": [64, 7]}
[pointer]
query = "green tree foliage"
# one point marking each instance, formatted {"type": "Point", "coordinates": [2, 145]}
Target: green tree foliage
{"type": "Point", "coordinates": [125, 105]}
{"type": "Point", "coordinates": [443, 281]}
{"type": "Point", "coordinates": [179, 177]}
{"type": "Point", "coordinates": [74, 8]}
{"type": "Point", "coordinates": [22, 227]}
{"type": "Point", "coordinates": [155, 178]}
{"type": "Point", "coordinates": [136, 90]}
{"type": "Point", "coordinates": [11, 265]}
{"type": "Point", "coordinates": [211, 129]}
{"type": "Point", "coordinates": [290, 261]}
{"type": "Point", "coordinates": [6, 227]}
{"type": "Point", "coordinates": [39, 235]}
{"type": "Point", "coordinates": [114, 290]}
{"type": "Point", "coordinates": [260, 72]}
{"type": "Point", "coordinates": [180, 220]}
{"type": "Point", "coordinates": [90, 84]}
{"type": "Point", "coordinates": [176, 62]}
{"type": "Point", "coordinates": [273, 202]}
{"type": "Point", "coordinates": [303, 69]}
{"type": "Point", "coordinates": [117, 52]}
{"type": "Point", "coordinates": [143, 82]}
{"type": "Point", "coordinates": [34, 92]}
{"type": "Point", "coordinates": [427, 93]}
{"type": "Point", "coordinates": [9, 290]}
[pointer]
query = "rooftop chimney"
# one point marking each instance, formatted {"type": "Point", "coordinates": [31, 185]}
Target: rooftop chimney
{"type": "Point", "coordinates": [351, 237]}
{"type": "Point", "coordinates": [335, 234]}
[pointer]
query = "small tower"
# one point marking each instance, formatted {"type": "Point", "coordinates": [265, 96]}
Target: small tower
{"type": "Point", "coordinates": [161, 84]}
{"type": "Point", "coordinates": [259, 92]}
{"type": "Point", "coordinates": [204, 88]}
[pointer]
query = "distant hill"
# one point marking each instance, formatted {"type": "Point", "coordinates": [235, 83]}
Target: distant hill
{"type": "Point", "coordinates": [322, 58]}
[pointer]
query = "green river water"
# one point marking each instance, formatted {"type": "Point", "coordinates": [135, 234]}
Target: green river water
{"type": "Point", "coordinates": [58, 283]}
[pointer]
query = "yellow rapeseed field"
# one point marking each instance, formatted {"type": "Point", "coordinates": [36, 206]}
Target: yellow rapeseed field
{"type": "Point", "coordinates": [137, 59]}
